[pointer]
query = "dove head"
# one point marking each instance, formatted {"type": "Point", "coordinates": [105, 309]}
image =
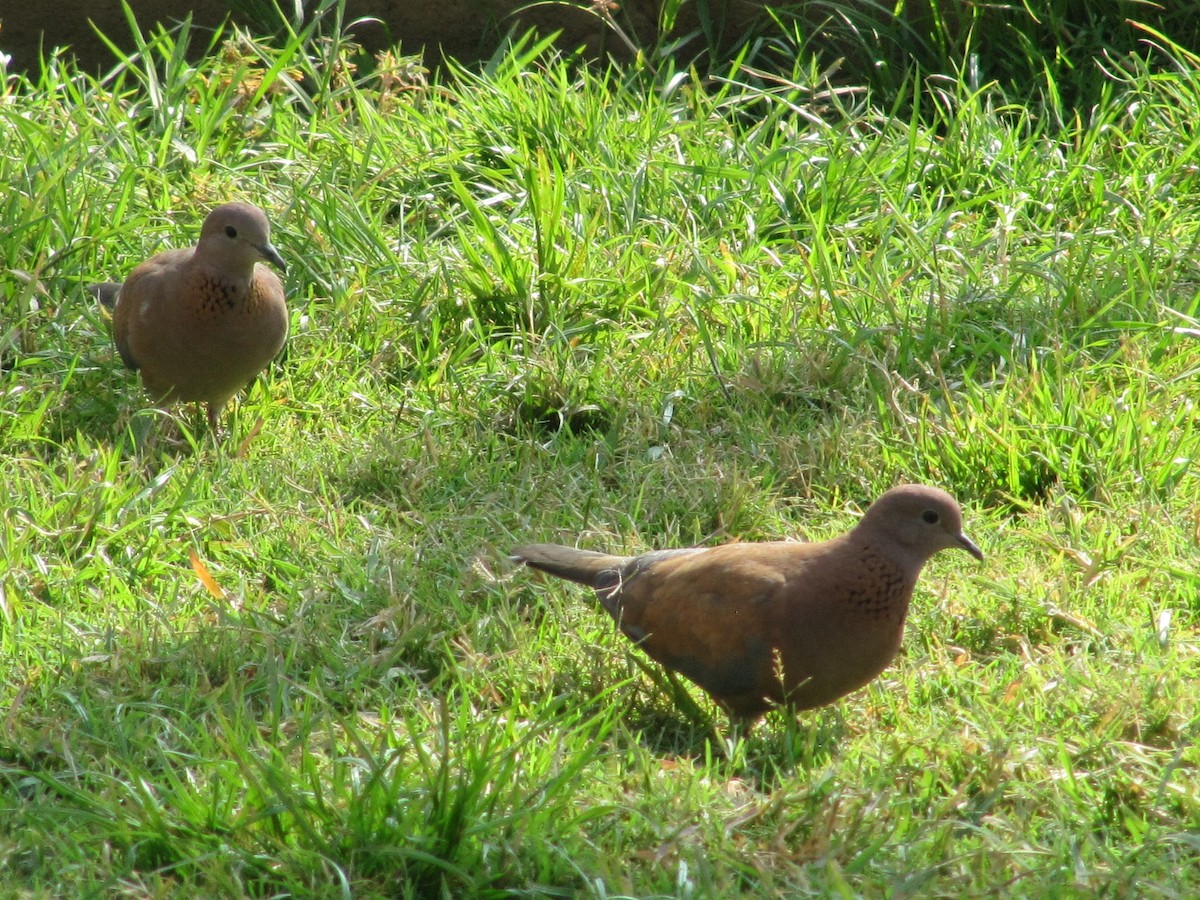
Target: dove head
{"type": "Point", "coordinates": [919, 521]}
{"type": "Point", "coordinates": [237, 235]}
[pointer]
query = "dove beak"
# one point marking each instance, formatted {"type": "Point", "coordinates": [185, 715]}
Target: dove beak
{"type": "Point", "coordinates": [271, 255]}
{"type": "Point", "coordinates": [969, 545]}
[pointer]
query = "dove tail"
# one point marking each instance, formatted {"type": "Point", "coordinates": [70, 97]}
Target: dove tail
{"type": "Point", "coordinates": [106, 292]}
{"type": "Point", "coordinates": [587, 567]}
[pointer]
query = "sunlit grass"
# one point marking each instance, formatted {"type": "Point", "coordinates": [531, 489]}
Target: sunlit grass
{"type": "Point", "coordinates": [553, 303]}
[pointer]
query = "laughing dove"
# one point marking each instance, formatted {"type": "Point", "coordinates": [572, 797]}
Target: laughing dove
{"type": "Point", "coordinates": [827, 617]}
{"type": "Point", "coordinates": [200, 324]}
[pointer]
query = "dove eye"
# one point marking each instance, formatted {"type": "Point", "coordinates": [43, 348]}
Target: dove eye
{"type": "Point", "coordinates": [230, 231]}
{"type": "Point", "coordinates": [930, 517]}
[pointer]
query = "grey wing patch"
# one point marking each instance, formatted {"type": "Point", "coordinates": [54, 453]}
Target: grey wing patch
{"type": "Point", "coordinates": [735, 675]}
{"type": "Point", "coordinates": [646, 560]}
{"type": "Point", "coordinates": [609, 582]}
{"type": "Point", "coordinates": [127, 357]}
{"type": "Point", "coordinates": [108, 293]}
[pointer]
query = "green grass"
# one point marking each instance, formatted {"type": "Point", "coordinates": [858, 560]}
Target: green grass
{"type": "Point", "coordinates": [549, 303]}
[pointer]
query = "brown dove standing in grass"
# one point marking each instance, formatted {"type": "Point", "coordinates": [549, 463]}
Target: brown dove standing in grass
{"type": "Point", "coordinates": [759, 625]}
{"type": "Point", "coordinates": [199, 324]}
